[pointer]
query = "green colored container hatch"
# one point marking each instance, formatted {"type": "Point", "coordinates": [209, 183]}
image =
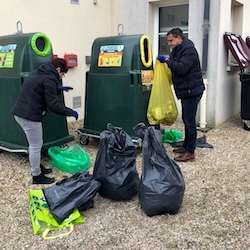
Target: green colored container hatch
{"type": "Point", "coordinates": [118, 84]}
{"type": "Point", "coordinates": [19, 55]}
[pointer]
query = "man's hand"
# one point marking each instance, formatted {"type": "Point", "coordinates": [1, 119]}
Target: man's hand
{"type": "Point", "coordinates": [162, 59]}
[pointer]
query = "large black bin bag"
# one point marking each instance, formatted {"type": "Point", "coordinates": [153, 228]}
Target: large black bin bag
{"type": "Point", "coordinates": [74, 192]}
{"type": "Point", "coordinates": [115, 164]}
{"type": "Point", "coordinates": [161, 187]}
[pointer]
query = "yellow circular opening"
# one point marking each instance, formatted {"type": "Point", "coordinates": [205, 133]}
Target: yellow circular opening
{"type": "Point", "coordinates": [145, 49]}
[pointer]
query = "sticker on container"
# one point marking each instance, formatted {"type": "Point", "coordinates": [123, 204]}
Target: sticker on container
{"type": "Point", "coordinates": [110, 56]}
{"type": "Point", "coordinates": [7, 54]}
{"type": "Point", "coordinates": [147, 77]}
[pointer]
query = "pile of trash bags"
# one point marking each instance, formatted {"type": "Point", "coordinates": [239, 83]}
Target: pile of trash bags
{"type": "Point", "coordinates": [160, 188]}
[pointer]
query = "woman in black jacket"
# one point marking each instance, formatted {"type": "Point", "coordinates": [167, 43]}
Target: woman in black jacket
{"type": "Point", "coordinates": [39, 92]}
{"type": "Point", "coordinates": [188, 85]}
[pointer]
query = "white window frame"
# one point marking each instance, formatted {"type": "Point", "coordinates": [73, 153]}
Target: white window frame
{"type": "Point", "coordinates": [157, 5]}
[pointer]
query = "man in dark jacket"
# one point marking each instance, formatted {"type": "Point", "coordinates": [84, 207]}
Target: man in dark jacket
{"type": "Point", "coordinates": [188, 85]}
{"type": "Point", "coordinates": [39, 92]}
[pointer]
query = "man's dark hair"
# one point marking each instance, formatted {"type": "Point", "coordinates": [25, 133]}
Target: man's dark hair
{"type": "Point", "coordinates": [176, 32]}
{"type": "Point", "coordinates": [59, 62]}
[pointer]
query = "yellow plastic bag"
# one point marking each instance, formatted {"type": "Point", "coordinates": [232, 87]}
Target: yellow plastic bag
{"type": "Point", "coordinates": [162, 107]}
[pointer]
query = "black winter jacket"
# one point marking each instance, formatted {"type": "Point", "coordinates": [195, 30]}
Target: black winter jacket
{"type": "Point", "coordinates": [186, 70]}
{"type": "Point", "coordinates": [39, 92]}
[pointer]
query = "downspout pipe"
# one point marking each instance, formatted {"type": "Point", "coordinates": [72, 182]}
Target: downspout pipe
{"type": "Point", "coordinates": [205, 27]}
{"type": "Point", "coordinates": [203, 102]}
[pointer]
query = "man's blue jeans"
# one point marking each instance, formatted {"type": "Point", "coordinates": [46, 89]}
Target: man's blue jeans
{"type": "Point", "coordinates": [189, 110]}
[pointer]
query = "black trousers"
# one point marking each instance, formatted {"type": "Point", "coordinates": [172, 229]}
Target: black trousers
{"type": "Point", "coordinates": [189, 110]}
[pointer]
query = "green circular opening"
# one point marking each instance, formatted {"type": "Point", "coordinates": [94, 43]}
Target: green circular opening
{"type": "Point", "coordinates": [40, 44]}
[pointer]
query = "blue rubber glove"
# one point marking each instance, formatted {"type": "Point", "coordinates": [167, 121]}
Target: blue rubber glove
{"type": "Point", "coordinates": [65, 88]}
{"type": "Point", "coordinates": [75, 114]}
{"type": "Point", "coordinates": [162, 59]}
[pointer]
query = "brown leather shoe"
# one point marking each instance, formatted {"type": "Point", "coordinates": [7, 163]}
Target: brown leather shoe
{"type": "Point", "coordinates": [185, 157]}
{"type": "Point", "coordinates": [180, 150]}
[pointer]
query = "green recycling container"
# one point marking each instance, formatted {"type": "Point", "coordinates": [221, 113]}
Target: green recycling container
{"type": "Point", "coordinates": [19, 55]}
{"type": "Point", "coordinates": [118, 84]}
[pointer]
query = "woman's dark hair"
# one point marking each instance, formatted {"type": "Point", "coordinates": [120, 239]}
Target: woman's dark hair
{"type": "Point", "coordinates": [59, 62]}
{"type": "Point", "coordinates": [176, 32]}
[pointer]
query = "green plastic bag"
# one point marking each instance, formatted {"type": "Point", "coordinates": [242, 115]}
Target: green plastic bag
{"type": "Point", "coordinates": [43, 221]}
{"type": "Point", "coordinates": [171, 135]}
{"type": "Point", "coordinates": [72, 160]}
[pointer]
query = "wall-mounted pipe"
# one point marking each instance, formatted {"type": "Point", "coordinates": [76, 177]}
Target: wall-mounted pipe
{"type": "Point", "coordinates": [203, 102]}
{"type": "Point", "coordinates": [205, 26]}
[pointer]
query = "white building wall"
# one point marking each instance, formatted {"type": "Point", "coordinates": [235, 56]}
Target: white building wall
{"type": "Point", "coordinates": [224, 87]}
{"type": "Point", "coordinates": [225, 92]}
{"type": "Point", "coordinates": [132, 14]}
{"type": "Point", "coordinates": [196, 20]}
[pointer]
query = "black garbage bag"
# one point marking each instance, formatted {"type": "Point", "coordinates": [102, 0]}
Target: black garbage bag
{"type": "Point", "coordinates": [115, 164]}
{"type": "Point", "coordinates": [161, 186]}
{"type": "Point", "coordinates": [74, 192]}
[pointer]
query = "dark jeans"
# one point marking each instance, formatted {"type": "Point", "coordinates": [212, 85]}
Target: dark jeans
{"type": "Point", "coordinates": [189, 108]}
